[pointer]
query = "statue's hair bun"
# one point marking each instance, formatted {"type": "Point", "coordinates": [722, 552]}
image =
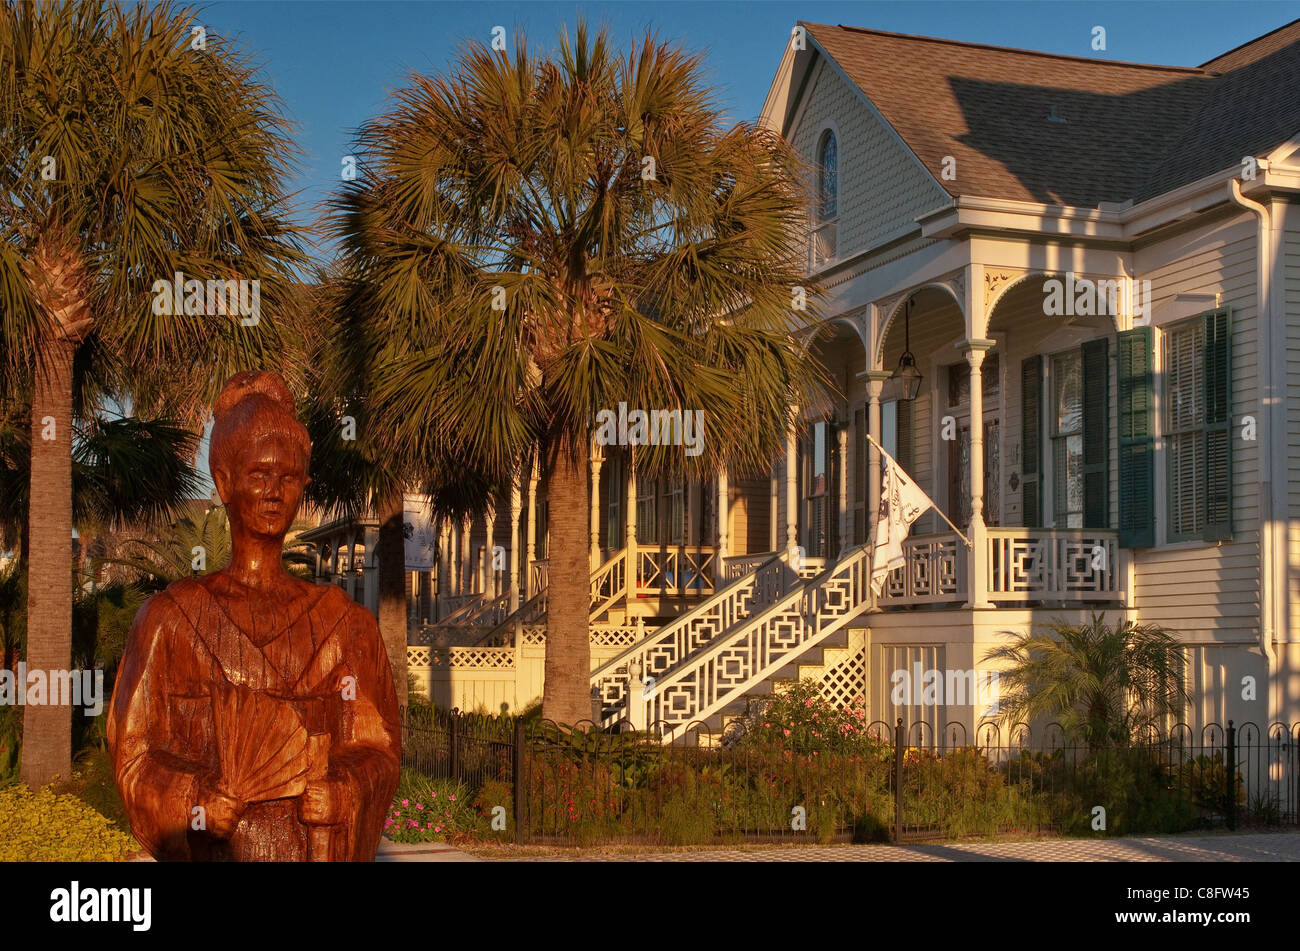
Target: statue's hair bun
{"type": "Point", "coordinates": [252, 383]}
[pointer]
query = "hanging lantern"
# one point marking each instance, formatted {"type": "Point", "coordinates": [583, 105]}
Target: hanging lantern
{"type": "Point", "coordinates": [907, 375]}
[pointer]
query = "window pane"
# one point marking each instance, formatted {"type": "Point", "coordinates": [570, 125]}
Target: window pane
{"type": "Point", "coordinates": [828, 189]}
{"type": "Point", "coordinates": [1067, 440]}
{"type": "Point", "coordinates": [1184, 418]}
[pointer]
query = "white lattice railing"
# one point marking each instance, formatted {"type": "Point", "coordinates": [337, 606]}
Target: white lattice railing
{"type": "Point", "coordinates": [459, 607]}
{"type": "Point", "coordinates": [688, 634]}
{"type": "Point", "coordinates": [608, 584]}
{"type": "Point", "coordinates": [757, 647]}
{"type": "Point", "coordinates": [738, 566]}
{"type": "Point", "coordinates": [935, 572]}
{"type": "Point", "coordinates": [538, 573]}
{"type": "Point", "coordinates": [1028, 564]}
{"type": "Point", "coordinates": [479, 657]}
{"type": "Point", "coordinates": [679, 570]}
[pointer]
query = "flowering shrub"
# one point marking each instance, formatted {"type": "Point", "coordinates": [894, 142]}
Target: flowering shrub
{"type": "Point", "coordinates": [800, 718]}
{"type": "Point", "coordinates": [429, 810]}
{"type": "Point", "coordinates": [48, 827]}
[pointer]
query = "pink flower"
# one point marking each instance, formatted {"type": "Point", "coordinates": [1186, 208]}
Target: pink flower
{"type": "Point", "coordinates": [787, 732]}
{"type": "Point", "coordinates": [388, 823]}
{"type": "Point", "coordinates": [453, 798]}
{"type": "Point", "coordinates": [420, 806]}
{"type": "Point", "coordinates": [397, 812]}
{"type": "Point", "coordinates": [406, 802]}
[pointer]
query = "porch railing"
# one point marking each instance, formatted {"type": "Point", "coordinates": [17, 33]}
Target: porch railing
{"type": "Point", "coordinates": [1024, 564]}
{"type": "Point", "coordinates": [680, 570]}
{"type": "Point", "coordinates": [935, 572]}
{"type": "Point", "coordinates": [1030, 564]}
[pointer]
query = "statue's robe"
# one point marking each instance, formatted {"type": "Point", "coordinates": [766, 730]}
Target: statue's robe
{"type": "Point", "coordinates": [162, 733]}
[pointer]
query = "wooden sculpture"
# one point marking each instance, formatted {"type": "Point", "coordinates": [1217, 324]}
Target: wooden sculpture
{"type": "Point", "coordinates": [254, 716]}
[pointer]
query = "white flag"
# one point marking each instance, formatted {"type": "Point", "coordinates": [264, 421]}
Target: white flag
{"type": "Point", "coordinates": [901, 504]}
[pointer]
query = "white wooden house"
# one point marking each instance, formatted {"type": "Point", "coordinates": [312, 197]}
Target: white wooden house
{"type": "Point", "coordinates": [1096, 268]}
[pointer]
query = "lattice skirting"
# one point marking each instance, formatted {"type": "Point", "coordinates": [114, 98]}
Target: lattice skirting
{"type": "Point", "coordinates": [847, 680]}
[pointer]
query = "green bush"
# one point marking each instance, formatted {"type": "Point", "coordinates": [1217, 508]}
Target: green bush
{"type": "Point", "coordinates": [429, 810]}
{"type": "Point", "coordinates": [47, 827]}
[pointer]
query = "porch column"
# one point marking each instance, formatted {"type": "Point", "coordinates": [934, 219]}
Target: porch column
{"type": "Point", "coordinates": [791, 490]}
{"type": "Point", "coordinates": [772, 510]}
{"type": "Point", "coordinates": [466, 577]}
{"type": "Point", "coordinates": [351, 582]}
{"type": "Point", "coordinates": [597, 461]}
{"type": "Point", "coordinates": [444, 565]}
{"type": "Point", "coordinates": [632, 565]}
{"type": "Point", "coordinates": [875, 386]}
{"type": "Point", "coordinates": [490, 574]}
{"type": "Point", "coordinates": [515, 505]}
{"type": "Point", "coordinates": [978, 559]}
{"type": "Point", "coordinates": [370, 569]}
{"type": "Point", "coordinates": [842, 438]}
{"type": "Point", "coordinates": [532, 530]}
{"type": "Point", "coordinates": [723, 509]}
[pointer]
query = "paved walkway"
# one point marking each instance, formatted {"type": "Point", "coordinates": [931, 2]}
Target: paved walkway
{"type": "Point", "coordinates": [1265, 847]}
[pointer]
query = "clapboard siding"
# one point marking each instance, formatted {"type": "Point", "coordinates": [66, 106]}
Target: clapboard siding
{"type": "Point", "coordinates": [1291, 260]}
{"type": "Point", "coordinates": [1210, 592]}
{"type": "Point", "coordinates": [882, 187]}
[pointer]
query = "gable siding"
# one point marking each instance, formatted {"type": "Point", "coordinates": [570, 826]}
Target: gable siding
{"type": "Point", "coordinates": [882, 187]}
{"type": "Point", "coordinates": [1200, 591]}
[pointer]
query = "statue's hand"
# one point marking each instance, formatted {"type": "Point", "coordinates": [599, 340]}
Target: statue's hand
{"type": "Point", "coordinates": [221, 812]}
{"type": "Point", "coordinates": [324, 802]}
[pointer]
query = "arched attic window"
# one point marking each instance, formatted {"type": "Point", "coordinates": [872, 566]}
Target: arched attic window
{"type": "Point", "coordinates": [827, 177]}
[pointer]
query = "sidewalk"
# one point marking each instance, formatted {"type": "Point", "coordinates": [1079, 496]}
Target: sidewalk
{"type": "Point", "coordinates": [420, 852]}
{"type": "Point", "coordinates": [1225, 847]}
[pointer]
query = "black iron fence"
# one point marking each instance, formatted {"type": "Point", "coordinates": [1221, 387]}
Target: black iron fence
{"type": "Point", "coordinates": [890, 783]}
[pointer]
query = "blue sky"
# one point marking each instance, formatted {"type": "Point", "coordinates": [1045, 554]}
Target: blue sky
{"type": "Point", "coordinates": [334, 62]}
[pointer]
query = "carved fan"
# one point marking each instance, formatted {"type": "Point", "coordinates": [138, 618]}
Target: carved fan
{"type": "Point", "coordinates": [261, 745]}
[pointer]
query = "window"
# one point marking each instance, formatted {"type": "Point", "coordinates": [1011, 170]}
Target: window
{"type": "Point", "coordinates": [676, 512]}
{"type": "Point", "coordinates": [816, 488]}
{"type": "Point", "coordinates": [1067, 440]}
{"type": "Point", "coordinates": [647, 511]}
{"type": "Point", "coordinates": [827, 177]}
{"type": "Point", "coordinates": [614, 503]}
{"type": "Point", "coordinates": [543, 529]}
{"type": "Point", "coordinates": [1196, 428]}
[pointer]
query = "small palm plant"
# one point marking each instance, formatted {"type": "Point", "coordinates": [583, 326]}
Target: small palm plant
{"type": "Point", "coordinates": [1108, 684]}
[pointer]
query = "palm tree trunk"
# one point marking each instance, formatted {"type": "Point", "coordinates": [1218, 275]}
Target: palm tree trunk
{"type": "Point", "coordinates": [47, 729]}
{"type": "Point", "coordinates": [566, 695]}
{"type": "Point", "coordinates": [392, 587]}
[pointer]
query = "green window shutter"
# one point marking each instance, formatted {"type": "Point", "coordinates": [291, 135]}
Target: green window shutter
{"type": "Point", "coordinates": [1216, 329]}
{"type": "Point", "coordinates": [1031, 440]}
{"type": "Point", "coordinates": [903, 434]}
{"type": "Point", "coordinates": [1095, 360]}
{"type": "Point", "coordinates": [1136, 440]}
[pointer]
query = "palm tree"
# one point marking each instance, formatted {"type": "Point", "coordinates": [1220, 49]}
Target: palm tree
{"type": "Point", "coordinates": [133, 150]}
{"type": "Point", "coordinates": [538, 239]}
{"type": "Point", "coordinates": [1107, 684]}
{"type": "Point", "coordinates": [359, 468]}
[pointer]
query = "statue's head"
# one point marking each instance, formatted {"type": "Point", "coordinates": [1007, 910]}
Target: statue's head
{"type": "Point", "coordinates": [258, 454]}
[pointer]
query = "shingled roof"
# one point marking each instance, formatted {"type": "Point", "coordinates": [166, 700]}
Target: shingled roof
{"type": "Point", "coordinates": [1130, 130]}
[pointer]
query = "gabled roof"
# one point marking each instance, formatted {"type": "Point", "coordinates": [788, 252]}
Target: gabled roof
{"type": "Point", "coordinates": [1130, 130]}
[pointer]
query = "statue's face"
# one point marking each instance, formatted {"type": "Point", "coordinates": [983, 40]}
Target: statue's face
{"type": "Point", "coordinates": [262, 495]}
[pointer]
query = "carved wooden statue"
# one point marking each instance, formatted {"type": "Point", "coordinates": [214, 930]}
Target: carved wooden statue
{"type": "Point", "coordinates": [254, 716]}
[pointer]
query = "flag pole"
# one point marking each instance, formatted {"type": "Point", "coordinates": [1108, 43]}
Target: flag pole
{"type": "Point", "coordinates": [893, 461]}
